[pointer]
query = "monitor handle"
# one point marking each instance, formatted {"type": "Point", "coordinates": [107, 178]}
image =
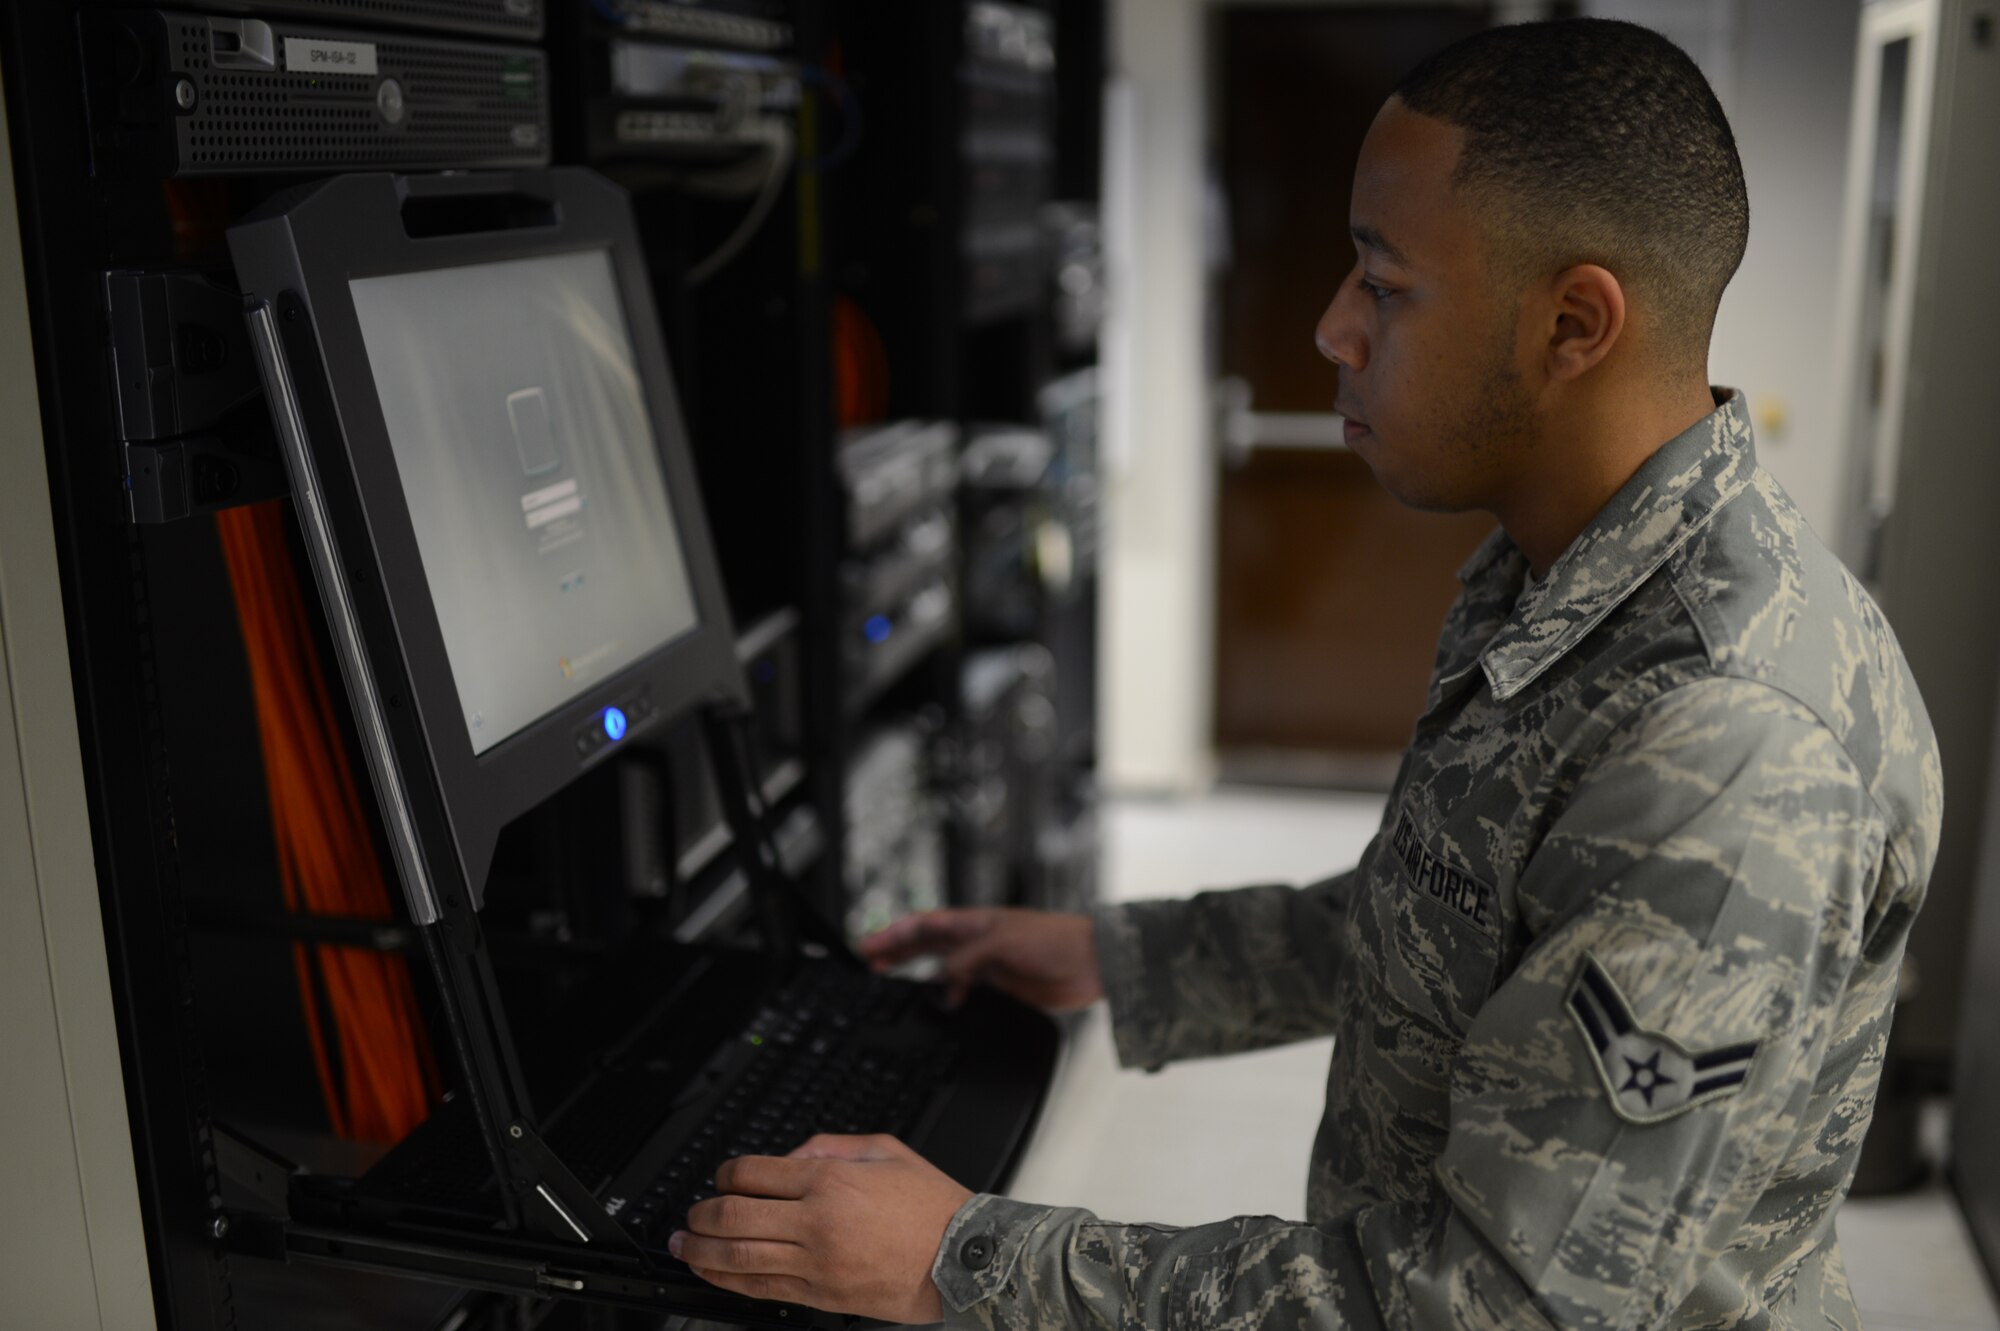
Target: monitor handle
{"type": "Point", "coordinates": [459, 205]}
{"type": "Point", "coordinates": [789, 921]}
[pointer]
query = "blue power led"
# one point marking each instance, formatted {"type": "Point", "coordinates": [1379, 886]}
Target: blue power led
{"type": "Point", "coordinates": [614, 723]}
{"type": "Point", "coordinates": [877, 629]}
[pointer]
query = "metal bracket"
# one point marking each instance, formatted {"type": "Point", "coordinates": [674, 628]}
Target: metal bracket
{"type": "Point", "coordinates": [254, 1177]}
{"type": "Point", "coordinates": [181, 366]}
{"type": "Point", "coordinates": [170, 479]}
{"type": "Point", "coordinates": [180, 356]}
{"type": "Point", "coordinates": [566, 1209]}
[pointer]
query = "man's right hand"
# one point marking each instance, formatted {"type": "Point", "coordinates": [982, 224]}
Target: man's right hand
{"type": "Point", "coordinates": [1044, 959]}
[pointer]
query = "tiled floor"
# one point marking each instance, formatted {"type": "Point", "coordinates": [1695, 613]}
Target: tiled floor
{"type": "Point", "coordinates": [1204, 1141]}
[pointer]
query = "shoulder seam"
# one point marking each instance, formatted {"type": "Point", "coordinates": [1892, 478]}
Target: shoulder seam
{"type": "Point", "coordinates": [1890, 843]}
{"type": "Point", "coordinates": [1719, 670]}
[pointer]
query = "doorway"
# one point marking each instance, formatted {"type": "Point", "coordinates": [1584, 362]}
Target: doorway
{"type": "Point", "coordinates": [1329, 593]}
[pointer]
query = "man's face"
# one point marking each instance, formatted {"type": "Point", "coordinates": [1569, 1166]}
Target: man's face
{"type": "Point", "coordinates": [1424, 334]}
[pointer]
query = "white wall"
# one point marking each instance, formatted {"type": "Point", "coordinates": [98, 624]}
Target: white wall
{"type": "Point", "coordinates": [1156, 632]}
{"type": "Point", "coordinates": [1775, 334]}
{"type": "Point", "coordinates": [1784, 72]}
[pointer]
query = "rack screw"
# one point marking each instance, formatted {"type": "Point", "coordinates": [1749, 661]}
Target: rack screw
{"type": "Point", "coordinates": [184, 94]}
{"type": "Point", "coordinates": [221, 1226]}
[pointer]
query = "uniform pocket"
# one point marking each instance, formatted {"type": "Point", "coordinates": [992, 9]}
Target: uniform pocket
{"type": "Point", "coordinates": [1433, 929]}
{"type": "Point", "coordinates": [1440, 965]}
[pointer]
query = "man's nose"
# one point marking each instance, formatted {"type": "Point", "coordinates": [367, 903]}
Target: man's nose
{"type": "Point", "coordinates": [1338, 334]}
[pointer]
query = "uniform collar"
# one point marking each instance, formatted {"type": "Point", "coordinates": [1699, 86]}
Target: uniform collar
{"type": "Point", "coordinates": [1670, 498]}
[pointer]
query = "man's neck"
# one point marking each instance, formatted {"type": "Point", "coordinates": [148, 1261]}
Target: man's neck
{"type": "Point", "coordinates": [1583, 462]}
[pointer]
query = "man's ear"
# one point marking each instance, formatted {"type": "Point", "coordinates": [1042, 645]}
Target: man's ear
{"type": "Point", "coordinates": [1590, 318]}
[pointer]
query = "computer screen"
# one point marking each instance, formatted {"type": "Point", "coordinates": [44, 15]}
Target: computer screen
{"type": "Point", "coordinates": [529, 463]}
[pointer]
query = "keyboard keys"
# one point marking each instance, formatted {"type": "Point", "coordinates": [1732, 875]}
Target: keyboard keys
{"type": "Point", "coordinates": [820, 1065]}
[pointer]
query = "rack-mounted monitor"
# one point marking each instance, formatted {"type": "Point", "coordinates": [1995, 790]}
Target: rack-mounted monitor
{"type": "Point", "coordinates": [495, 483]}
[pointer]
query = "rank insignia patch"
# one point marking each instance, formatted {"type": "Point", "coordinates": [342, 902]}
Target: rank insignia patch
{"type": "Point", "coordinates": [1648, 1076]}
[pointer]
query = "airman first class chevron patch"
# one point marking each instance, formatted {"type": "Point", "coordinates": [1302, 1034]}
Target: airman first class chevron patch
{"type": "Point", "coordinates": [1649, 1076]}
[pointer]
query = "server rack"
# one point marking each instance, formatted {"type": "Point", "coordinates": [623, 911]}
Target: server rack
{"type": "Point", "coordinates": [169, 742]}
{"type": "Point", "coordinates": [974, 198]}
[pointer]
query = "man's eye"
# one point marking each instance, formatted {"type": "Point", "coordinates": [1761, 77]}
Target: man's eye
{"type": "Point", "coordinates": [1374, 291]}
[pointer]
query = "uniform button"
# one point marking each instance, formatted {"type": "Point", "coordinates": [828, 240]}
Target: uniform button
{"type": "Point", "coordinates": [977, 1254]}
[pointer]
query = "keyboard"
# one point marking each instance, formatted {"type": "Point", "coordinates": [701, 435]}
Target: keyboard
{"type": "Point", "coordinates": [731, 1059]}
{"type": "Point", "coordinates": [822, 1057]}
{"type": "Point", "coordinates": [833, 1050]}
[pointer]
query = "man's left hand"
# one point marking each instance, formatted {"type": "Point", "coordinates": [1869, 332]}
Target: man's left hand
{"type": "Point", "coordinates": [843, 1224]}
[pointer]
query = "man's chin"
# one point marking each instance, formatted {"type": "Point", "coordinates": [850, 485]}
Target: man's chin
{"type": "Point", "coordinates": [1409, 491]}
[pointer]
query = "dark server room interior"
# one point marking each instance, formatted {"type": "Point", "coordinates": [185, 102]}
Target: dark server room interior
{"type": "Point", "coordinates": [570, 569]}
{"type": "Point", "coordinates": [848, 215]}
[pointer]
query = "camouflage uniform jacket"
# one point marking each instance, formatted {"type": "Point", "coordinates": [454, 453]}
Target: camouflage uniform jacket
{"type": "Point", "coordinates": [1609, 988]}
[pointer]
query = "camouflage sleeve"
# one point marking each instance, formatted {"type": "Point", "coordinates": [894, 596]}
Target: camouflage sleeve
{"type": "Point", "coordinates": [1622, 1101]}
{"type": "Point", "coordinates": [1222, 972]}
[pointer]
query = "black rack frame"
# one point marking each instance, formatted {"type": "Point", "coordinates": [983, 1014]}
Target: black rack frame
{"type": "Point", "coordinates": [80, 220]}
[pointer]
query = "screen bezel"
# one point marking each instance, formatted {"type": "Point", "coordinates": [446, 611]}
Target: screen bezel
{"type": "Point", "coordinates": [313, 246]}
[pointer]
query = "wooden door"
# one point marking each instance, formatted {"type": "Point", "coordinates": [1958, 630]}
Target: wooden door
{"type": "Point", "coordinates": [1329, 592]}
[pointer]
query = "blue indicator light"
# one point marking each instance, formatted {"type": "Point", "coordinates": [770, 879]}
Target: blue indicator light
{"type": "Point", "coordinates": [877, 629]}
{"type": "Point", "coordinates": [614, 723]}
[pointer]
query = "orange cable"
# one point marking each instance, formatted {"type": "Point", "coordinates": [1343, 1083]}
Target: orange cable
{"type": "Point", "coordinates": [386, 1074]}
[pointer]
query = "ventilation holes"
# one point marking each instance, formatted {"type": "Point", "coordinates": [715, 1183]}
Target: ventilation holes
{"type": "Point", "coordinates": [460, 115]}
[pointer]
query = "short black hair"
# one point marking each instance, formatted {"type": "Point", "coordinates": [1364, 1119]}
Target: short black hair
{"type": "Point", "coordinates": [1597, 141]}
